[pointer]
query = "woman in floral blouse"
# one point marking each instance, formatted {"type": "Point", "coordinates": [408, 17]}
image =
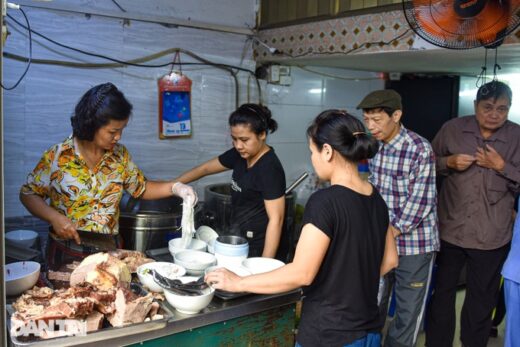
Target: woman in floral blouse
{"type": "Point", "coordinates": [84, 176]}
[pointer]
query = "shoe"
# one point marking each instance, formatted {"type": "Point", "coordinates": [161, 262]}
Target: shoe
{"type": "Point", "coordinates": [493, 332]}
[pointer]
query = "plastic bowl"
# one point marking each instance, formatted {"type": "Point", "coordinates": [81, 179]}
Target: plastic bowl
{"type": "Point", "coordinates": [195, 262]}
{"type": "Point", "coordinates": [258, 265]}
{"type": "Point", "coordinates": [175, 245]}
{"type": "Point", "coordinates": [25, 238]}
{"type": "Point", "coordinates": [21, 276]}
{"type": "Point", "coordinates": [169, 270]}
{"type": "Point", "coordinates": [189, 304]}
{"type": "Point", "coordinates": [231, 250]}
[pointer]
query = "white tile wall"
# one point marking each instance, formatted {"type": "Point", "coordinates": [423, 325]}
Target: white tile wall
{"type": "Point", "coordinates": [37, 113]}
{"type": "Point", "coordinates": [295, 106]}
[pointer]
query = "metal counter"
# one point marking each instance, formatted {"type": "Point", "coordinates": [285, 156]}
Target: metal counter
{"type": "Point", "coordinates": [218, 311]}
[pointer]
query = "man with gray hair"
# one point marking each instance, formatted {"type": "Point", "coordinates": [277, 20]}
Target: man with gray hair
{"type": "Point", "coordinates": [480, 158]}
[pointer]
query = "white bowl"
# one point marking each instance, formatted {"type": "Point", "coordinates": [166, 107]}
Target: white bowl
{"type": "Point", "coordinates": [231, 250]}
{"type": "Point", "coordinates": [189, 304]}
{"type": "Point", "coordinates": [21, 276]}
{"type": "Point", "coordinates": [237, 269]}
{"type": "Point", "coordinates": [25, 238]}
{"type": "Point", "coordinates": [206, 234]}
{"type": "Point", "coordinates": [211, 246]}
{"type": "Point", "coordinates": [258, 265]}
{"type": "Point", "coordinates": [195, 262]}
{"type": "Point", "coordinates": [169, 270]}
{"type": "Point", "coordinates": [226, 260]}
{"type": "Point", "coordinates": [175, 245]}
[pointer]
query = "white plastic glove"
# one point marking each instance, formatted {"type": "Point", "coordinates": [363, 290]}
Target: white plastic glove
{"type": "Point", "coordinates": [186, 192]}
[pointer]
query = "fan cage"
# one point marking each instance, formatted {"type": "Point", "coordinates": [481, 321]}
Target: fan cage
{"type": "Point", "coordinates": [436, 22]}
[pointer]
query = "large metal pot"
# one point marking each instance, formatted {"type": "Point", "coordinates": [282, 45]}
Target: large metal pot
{"type": "Point", "coordinates": [150, 224]}
{"type": "Point", "coordinates": [217, 206]}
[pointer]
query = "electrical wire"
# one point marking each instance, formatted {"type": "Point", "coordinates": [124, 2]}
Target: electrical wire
{"type": "Point", "coordinates": [481, 78]}
{"type": "Point", "coordinates": [135, 62]}
{"type": "Point", "coordinates": [304, 68]}
{"type": "Point", "coordinates": [30, 54]}
{"type": "Point", "coordinates": [129, 63]}
{"type": "Point", "coordinates": [363, 45]}
{"type": "Point", "coordinates": [119, 6]}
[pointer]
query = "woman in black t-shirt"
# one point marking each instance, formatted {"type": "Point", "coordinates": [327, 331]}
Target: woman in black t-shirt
{"type": "Point", "coordinates": [341, 251]}
{"type": "Point", "coordinates": [257, 183]}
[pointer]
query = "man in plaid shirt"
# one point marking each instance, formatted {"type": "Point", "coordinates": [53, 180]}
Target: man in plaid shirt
{"type": "Point", "coordinates": [404, 173]}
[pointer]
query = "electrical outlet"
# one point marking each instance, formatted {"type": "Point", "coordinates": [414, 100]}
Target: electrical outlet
{"type": "Point", "coordinates": [285, 70]}
{"type": "Point", "coordinates": [274, 73]}
{"type": "Point", "coordinates": [285, 80]}
{"type": "Point", "coordinates": [394, 76]}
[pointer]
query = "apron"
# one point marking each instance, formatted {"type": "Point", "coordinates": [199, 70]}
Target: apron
{"type": "Point", "coordinates": [61, 252]}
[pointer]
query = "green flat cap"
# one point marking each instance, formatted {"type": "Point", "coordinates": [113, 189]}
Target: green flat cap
{"type": "Point", "coordinates": [382, 98]}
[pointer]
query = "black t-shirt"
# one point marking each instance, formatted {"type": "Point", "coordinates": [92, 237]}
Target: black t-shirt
{"type": "Point", "coordinates": [265, 180]}
{"type": "Point", "coordinates": [340, 306]}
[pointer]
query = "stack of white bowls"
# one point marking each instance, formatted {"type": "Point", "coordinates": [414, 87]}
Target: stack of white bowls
{"type": "Point", "coordinates": [195, 262]}
{"type": "Point", "coordinates": [177, 245]}
{"type": "Point", "coordinates": [231, 250]}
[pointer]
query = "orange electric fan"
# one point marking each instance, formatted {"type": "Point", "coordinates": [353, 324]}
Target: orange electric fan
{"type": "Point", "coordinates": [463, 24]}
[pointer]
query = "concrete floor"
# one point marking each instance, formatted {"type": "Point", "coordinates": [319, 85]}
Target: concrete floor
{"type": "Point", "coordinates": [493, 341]}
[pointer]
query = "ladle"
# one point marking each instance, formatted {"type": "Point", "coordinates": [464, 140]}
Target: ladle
{"type": "Point", "coordinates": [175, 285]}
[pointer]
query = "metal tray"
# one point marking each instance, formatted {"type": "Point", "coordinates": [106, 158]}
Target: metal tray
{"type": "Point", "coordinates": [160, 254]}
{"type": "Point", "coordinates": [102, 334]}
{"type": "Point", "coordinates": [222, 294]}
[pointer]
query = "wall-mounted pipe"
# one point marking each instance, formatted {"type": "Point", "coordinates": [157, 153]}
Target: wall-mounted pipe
{"type": "Point", "coordinates": [3, 339]}
{"type": "Point", "coordinates": [137, 17]}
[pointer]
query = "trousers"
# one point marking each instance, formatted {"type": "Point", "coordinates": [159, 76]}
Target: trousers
{"type": "Point", "coordinates": [482, 287]}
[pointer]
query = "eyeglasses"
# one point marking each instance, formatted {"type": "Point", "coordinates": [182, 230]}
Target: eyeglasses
{"type": "Point", "coordinates": [490, 108]}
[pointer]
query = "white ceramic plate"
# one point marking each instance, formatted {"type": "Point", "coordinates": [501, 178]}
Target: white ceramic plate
{"type": "Point", "coordinates": [238, 269]}
{"type": "Point", "coordinates": [258, 265]}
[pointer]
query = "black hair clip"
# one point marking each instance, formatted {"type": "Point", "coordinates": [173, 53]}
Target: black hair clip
{"type": "Point", "coordinates": [102, 93]}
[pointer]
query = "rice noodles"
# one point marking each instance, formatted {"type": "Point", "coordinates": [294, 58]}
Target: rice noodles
{"type": "Point", "coordinates": [187, 222]}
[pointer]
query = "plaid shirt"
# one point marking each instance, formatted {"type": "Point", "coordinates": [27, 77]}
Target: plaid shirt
{"type": "Point", "coordinates": [404, 173]}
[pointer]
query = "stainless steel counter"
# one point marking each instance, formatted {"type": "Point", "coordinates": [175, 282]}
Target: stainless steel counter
{"type": "Point", "coordinates": [218, 311]}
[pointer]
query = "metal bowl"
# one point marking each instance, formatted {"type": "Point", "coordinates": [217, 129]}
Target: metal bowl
{"type": "Point", "coordinates": [232, 239]}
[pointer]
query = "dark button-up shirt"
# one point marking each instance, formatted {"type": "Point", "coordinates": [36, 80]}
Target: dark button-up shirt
{"type": "Point", "coordinates": [475, 205]}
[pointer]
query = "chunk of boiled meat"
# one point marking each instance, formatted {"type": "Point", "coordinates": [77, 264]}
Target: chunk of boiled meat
{"type": "Point", "coordinates": [102, 270]}
{"type": "Point", "coordinates": [95, 321]}
{"type": "Point", "coordinates": [129, 308]}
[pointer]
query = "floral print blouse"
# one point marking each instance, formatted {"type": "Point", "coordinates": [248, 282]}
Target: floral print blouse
{"type": "Point", "coordinates": [89, 198]}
